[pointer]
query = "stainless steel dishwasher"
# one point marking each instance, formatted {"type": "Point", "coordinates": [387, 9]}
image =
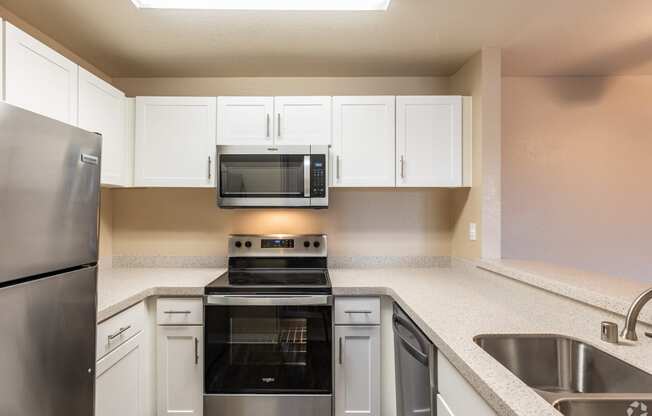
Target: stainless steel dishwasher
{"type": "Point", "coordinates": [416, 368]}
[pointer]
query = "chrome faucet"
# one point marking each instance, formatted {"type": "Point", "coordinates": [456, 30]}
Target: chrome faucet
{"type": "Point", "coordinates": [629, 332]}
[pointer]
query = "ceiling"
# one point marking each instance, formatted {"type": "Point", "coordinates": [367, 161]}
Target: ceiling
{"type": "Point", "coordinates": [414, 37]}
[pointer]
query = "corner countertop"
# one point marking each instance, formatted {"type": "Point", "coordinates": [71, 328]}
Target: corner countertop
{"type": "Point", "coordinates": [118, 289]}
{"type": "Point", "coordinates": [451, 305]}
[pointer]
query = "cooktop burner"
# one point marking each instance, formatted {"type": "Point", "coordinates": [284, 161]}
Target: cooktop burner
{"type": "Point", "coordinates": [275, 264]}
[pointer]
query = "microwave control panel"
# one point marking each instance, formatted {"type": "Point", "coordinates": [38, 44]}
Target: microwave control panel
{"type": "Point", "coordinates": [318, 176]}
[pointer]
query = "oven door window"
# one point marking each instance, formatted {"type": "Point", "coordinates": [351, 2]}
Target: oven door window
{"type": "Point", "coordinates": [262, 176]}
{"type": "Point", "coordinates": [268, 349]}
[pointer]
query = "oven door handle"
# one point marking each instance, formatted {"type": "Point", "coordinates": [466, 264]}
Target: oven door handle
{"type": "Point", "coordinates": [267, 300]}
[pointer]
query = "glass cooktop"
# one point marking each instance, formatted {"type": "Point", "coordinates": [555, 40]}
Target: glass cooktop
{"type": "Point", "coordinates": [286, 277]}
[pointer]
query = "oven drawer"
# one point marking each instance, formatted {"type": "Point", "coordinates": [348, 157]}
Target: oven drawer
{"type": "Point", "coordinates": [357, 310]}
{"type": "Point", "coordinates": [272, 405]}
{"type": "Point", "coordinates": [116, 330]}
{"type": "Point", "coordinates": [179, 311]}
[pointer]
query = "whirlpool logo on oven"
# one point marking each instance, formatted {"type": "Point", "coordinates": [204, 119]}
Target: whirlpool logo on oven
{"type": "Point", "coordinates": [268, 380]}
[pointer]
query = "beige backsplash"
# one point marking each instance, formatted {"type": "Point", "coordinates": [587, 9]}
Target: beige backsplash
{"type": "Point", "coordinates": [369, 222]}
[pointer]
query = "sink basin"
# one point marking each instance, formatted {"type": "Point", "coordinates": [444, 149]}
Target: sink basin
{"type": "Point", "coordinates": [604, 407]}
{"type": "Point", "coordinates": [558, 364]}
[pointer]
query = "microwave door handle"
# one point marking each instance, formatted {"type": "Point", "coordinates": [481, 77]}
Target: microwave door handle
{"type": "Point", "coordinates": [306, 176]}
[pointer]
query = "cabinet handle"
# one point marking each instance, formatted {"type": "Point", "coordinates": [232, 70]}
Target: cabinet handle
{"type": "Point", "coordinates": [358, 312]}
{"type": "Point", "coordinates": [209, 167]}
{"type": "Point", "coordinates": [278, 122]}
{"type": "Point", "coordinates": [402, 166]}
{"type": "Point", "coordinates": [340, 352]}
{"type": "Point", "coordinates": [337, 167]}
{"type": "Point", "coordinates": [268, 124]}
{"type": "Point", "coordinates": [196, 351]}
{"type": "Point", "coordinates": [120, 332]}
{"type": "Point", "coordinates": [177, 312]}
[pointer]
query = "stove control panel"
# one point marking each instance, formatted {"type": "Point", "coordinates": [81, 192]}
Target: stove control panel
{"type": "Point", "coordinates": [277, 246]}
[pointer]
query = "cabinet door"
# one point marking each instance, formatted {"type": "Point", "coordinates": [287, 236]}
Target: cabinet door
{"type": "Point", "coordinates": [180, 370]}
{"type": "Point", "coordinates": [302, 120]}
{"type": "Point", "coordinates": [363, 151]}
{"type": "Point", "coordinates": [120, 382]}
{"type": "Point", "coordinates": [245, 120]}
{"type": "Point", "coordinates": [102, 110]}
{"type": "Point", "coordinates": [175, 141]}
{"type": "Point", "coordinates": [429, 141]}
{"type": "Point", "coordinates": [39, 79]}
{"type": "Point", "coordinates": [357, 370]}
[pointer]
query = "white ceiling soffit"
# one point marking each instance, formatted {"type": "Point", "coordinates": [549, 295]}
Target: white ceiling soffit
{"type": "Point", "coordinates": [286, 5]}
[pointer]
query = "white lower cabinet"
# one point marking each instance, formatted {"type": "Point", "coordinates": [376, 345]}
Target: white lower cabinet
{"type": "Point", "coordinates": [442, 407]}
{"type": "Point", "coordinates": [456, 396]}
{"type": "Point", "coordinates": [180, 370]}
{"type": "Point", "coordinates": [120, 383]}
{"type": "Point", "coordinates": [357, 370]}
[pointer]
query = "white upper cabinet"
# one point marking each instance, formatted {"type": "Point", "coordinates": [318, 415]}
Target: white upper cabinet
{"type": "Point", "coordinates": [39, 79]}
{"type": "Point", "coordinates": [175, 141]}
{"type": "Point", "coordinates": [245, 120]}
{"type": "Point", "coordinates": [429, 141]}
{"type": "Point", "coordinates": [302, 120]}
{"type": "Point", "coordinates": [363, 152]}
{"type": "Point", "coordinates": [102, 109]}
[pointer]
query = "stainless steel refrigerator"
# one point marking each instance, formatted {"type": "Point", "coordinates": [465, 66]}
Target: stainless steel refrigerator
{"type": "Point", "coordinates": [49, 201]}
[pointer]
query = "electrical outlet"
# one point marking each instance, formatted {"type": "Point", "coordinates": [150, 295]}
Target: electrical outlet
{"type": "Point", "coordinates": [473, 231]}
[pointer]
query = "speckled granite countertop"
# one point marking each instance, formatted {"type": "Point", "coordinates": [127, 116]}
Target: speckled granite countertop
{"type": "Point", "coordinates": [118, 289]}
{"type": "Point", "coordinates": [451, 305]}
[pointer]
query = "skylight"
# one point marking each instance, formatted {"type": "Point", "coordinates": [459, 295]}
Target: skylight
{"type": "Point", "coordinates": [314, 5]}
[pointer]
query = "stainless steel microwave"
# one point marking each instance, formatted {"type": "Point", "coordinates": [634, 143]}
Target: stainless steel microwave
{"type": "Point", "coordinates": [278, 177]}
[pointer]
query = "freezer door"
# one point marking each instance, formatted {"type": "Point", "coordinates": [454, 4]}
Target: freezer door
{"type": "Point", "coordinates": [47, 346]}
{"type": "Point", "coordinates": [49, 194]}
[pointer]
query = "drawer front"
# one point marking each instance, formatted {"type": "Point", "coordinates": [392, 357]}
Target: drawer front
{"type": "Point", "coordinates": [116, 330]}
{"type": "Point", "coordinates": [442, 407]}
{"type": "Point", "coordinates": [458, 395]}
{"type": "Point", "coordinates": [356, 310]}
{"type": "Point", "coordinates": [179, 311]}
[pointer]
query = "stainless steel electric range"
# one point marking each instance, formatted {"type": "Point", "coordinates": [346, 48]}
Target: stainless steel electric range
{"type": "Point", "coordinates": [268, 329]}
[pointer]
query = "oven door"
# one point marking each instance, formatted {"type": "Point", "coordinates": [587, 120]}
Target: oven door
{"type": "Point", "coordinates": [268, 345]}
{"type": "Point", "coordinates": [255, 176]}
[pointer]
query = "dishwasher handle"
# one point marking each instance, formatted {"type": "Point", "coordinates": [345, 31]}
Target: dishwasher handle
{"type": "Point", "coordinates": [413, 350]}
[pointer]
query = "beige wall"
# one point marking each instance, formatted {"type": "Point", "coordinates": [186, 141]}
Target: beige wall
{"type": "Point", "coordinates": [106, 224]}
{"type": "Point", "coordinates": [283, 86]}
{"type": "Point", "coordinates": [186, 222]}
{"type": "Point", "coordinates": [33, 31]}
{"type": "Point", "coordinates": [480, 78]}
{"type": "Point", "coordinates": [576, 172]}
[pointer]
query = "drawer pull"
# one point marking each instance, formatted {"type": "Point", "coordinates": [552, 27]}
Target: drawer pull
{"type": "Point", "coordinates": [177, 312]}
{"type": "Point", "coordinates": [366, 312]}
{"type": "Point", "coordinates": [196, 351]}
{"type": "Point", "coordinates": [120, 332]}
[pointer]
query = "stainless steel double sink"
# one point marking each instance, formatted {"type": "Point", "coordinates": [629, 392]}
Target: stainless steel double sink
{"type": "Point", "coordinates": [576, 378]}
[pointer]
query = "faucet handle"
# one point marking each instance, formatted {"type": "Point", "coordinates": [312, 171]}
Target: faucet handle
{"type": "Point", "coordinates": [609, 332]}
